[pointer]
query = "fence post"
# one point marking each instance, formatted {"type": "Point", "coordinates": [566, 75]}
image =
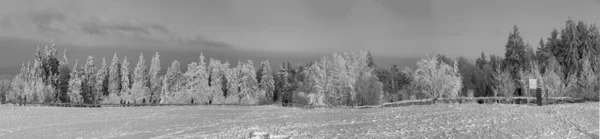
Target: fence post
{"type": "Point", "coordinates": [538, 93]}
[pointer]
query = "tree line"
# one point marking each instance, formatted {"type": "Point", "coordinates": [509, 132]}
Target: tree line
{"type": "Point", "coordinates": [565, 64]}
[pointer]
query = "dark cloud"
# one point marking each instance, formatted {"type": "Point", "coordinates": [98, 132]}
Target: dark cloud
{"type": "Point", "coordinates": [45, 19]}
{"type": "Point", "coordinates": [206, 42]}
{"type": "Point", "coordinates": [54, 23]}
{"type": "Point", "coordinates": [106, 28]}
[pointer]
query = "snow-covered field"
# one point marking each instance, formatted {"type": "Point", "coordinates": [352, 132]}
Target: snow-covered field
{"type": "Point", "coordinates": [435, 121]}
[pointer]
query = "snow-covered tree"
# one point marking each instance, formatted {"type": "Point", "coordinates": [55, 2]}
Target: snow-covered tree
{"type": "Point", "coordinates": [249, 83]}
{"type": "Point", "coordinates": [215, 69]}
{"type": "Point", "coordinates": [233, 84]}
{"type": "Point", "coordinates": [140, 92]}
{"type": "Point", "coordinates": [125, 81]}
{"type": "Point", "coordinates": [267, 82]}
{"type": "Point", "coordinates": [197, 81]}
{"type": "Point", "coordinates": [114, 79]}
{"type": "Point", "coordinates": [155, 81]}
{"type": "Point", "coordinates": [587, 83]}
{"type": "Point", "coordinates": [75, 84]}
{"type": "Point", "coordinates": [102, 81]}
{"type": "Point", "coordinates": [89, 81]}
{"type": "Point", "coordinates": [505, 84]}
{"type": "Point", "coordinates": [437, 78]}
{"type": "Point", "coordinates": [63, 79]}
{"type": "Point", "coordinates": [316, 81]}
{"type": "Point", "coordinates": [171, 83]}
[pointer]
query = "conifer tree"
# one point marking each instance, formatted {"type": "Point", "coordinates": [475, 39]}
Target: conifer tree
{"type": "Point", "coordinates": [114, 80]}
{"type": "Point", "coordinates": [249, 83]}
{"type": "Point", "coordinates": [233, 81]}
{"type": "Point", "coordinates": [102, 82]}
{"type": "Point", "coordinates": [171, 83]}
{"type": "Point", "coordinates": [515, 54]}
{"type": "Point", "coordinates": [89, 81]}
{"type": "Point", "coordinates": [267, 82]}
{"type": "Point", "coordinates": [140, 91]}
{"type": "Point", "coordinates": [64, 76]}
{"type": "Point", "coordinates": [215, 69]}
{"type": "Point", "coordinates": [75, 84]}
{"type": "Point", "coordinates": [125, 82]}
{"type": "Point", "coordinates": [155, 81]}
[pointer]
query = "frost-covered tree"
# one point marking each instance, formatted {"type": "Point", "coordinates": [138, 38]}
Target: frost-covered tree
{"type": "Point", "coordinates": [437, 78]}
{"type": "Point", "coordinates": [17, 86]}
{"type": "Point", "coordinates": [102, 82]}
{"type": "Point", "coordinates": [316, 80]}
{"type": "Point", "coordinates": [155, 80]}
{"type": "Point", "coordinates": [505, 85]}
{"type": "Point", "coordinates": [171, 83]}
{"type": "Point", "coordinates": [233, 84]}
{"type": "Point", "coordinates": [125, 81]}
{"type": "Point", "coordinates": [215, 69]}
{"type": "Point", "coordinates": [75, 84]}
{"type": "Point", "coordinates": [114, 79]}
{"type": "Point", "coordinates": [140, 92]}
{"type": "Point", "coordinates": [267, 82]}
{"type": "Point", "coordinates": [282, 85]}
{"type": "Point", "coordinates": [249, 85]}
{"type": "Point", "coordinates": [553, 83]}
{"type": "Point", "coordinates": [587, 83]}
{"type": "Point", "coordinates": [197, 81]}
{"type": "Point", "coordinates": [89, 81]}
{"type": "Point", "coordinates": [63, 79]}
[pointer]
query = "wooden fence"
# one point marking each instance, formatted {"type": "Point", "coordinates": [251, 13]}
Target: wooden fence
{"type": "Point", "coordinates": [484, 100]}
{"type": "Point", "coordinates": [480, 100]}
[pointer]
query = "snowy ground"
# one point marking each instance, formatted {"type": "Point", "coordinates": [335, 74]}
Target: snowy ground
{"type": "Point", "coordinates": [435, 121]}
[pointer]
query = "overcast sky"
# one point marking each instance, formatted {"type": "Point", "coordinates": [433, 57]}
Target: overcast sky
{"type": "Point", "coordinates": [401, 28]}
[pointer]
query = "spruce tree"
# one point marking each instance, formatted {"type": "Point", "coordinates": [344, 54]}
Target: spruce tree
{"type": "Point", "coordinates": [64, 76]}
{"type": "Point", "coordinates": [155, 81]}
{"type": "Point", "coordinates": [102, 82]}
{"type": "Point", "coordinates": [125, 82]}
{"type": "Point", "coordinates": [75, 85]}
{"type": "Point", "coordinates": [89, 81]}
{"type": "Point", "coordinates": [171, 83]}
{"type": "Point", "coordinates": [114, 80]}
{"type": "Point", "coordinates": [233, 81]}
{"type": "Point", "coordinates": [140, 91]}
{"type": "Point", "coordinates": [267, 82]}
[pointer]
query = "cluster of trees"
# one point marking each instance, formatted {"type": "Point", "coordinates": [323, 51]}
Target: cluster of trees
{"type": "Point", "coordinates": [566, 64]}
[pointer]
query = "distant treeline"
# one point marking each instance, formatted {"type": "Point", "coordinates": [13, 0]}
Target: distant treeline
{"type": "Point", "coordinates": [565, 64]}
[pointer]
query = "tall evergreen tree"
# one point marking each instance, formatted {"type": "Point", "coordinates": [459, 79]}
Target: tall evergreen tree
{"type": "Point", "coordinates": [249, 83]}
{"type": "Point", "coordinates": [89, 81]}
{"type": "Point", "coordinates": [514, 60]}
{"type": "Point", "coordinates": [63, 79]}
{"type": "Point", "coordinates": [155, 81]}
{"type": "Point", "coordinates": [267, 83]}
{"type": "Point", "coordinates": [140, 92]}
{"type": "Point", "coordinates": [114, 79]}
{"type": "Point", "coordinates": [75, 85]}
{"type": "Point", "coordinates": [215, 68]}
{"type": "Point", "coordinates": [125, 81]}
{"type": "Point", "coordinates": [102, 82]}
{"type": "Point", "coordinates": [233, 84]}
{"type": "Point", "coordinates": [171, 83]}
